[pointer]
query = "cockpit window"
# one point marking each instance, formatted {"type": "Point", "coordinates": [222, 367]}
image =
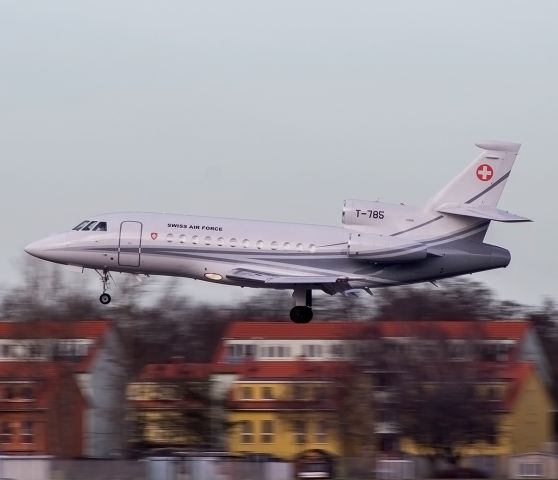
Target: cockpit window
{"type": "Point", "coordinates": [78, 227]}
{"type": "Point", "coordinates": [100, 227]}
{"type": "Point", "coordinates": [88, 226]}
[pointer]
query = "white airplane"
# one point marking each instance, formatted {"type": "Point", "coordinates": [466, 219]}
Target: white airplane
{"type": "Point", "coordinates": [378, 245]}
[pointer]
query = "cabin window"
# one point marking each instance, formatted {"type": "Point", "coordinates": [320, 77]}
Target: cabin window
{"type": "Point", "coordinates": [260, 244]}
{"type": "Point", "coordinates": [300, 247]}
{"type": "Point", "coordinates": [246, 243]}
{"type": "Point", "coordinates": [274, 245]}
{"type": "Point", "coordinates": [170, 237]}
{"type": "Point", "coordinates": [195, 239]}
{"type": "Point", "coordinates": [100, 227]}
{"type": "Point", "coordinates": [207, 240]}
{"type": "Point", "coordinates": [286, 246]}
{"type": "Point", "coordinates": [233, 242]}
{"type": "Point", "coordinates": [220, 241]}
{"type": "Point", "coordinates": [88, 226]}
{"type": "Point", "coordinates": [78, 227]}
{"type": "Point", "coordinates": [182, 238]}
{"type": "Point", "coordinates": [312, 248]}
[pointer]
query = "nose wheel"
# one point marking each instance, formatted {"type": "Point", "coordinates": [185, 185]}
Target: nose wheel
{"type": "Point", "coordinates": [105, 298]}
{"type": "Point", "coordinates": [302, 312]}
{"type": "Point", "coordinates": [105, 275]}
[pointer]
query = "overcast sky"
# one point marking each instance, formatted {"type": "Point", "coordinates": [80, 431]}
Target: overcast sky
{"type": "Point", "coordinates": [275, 110]}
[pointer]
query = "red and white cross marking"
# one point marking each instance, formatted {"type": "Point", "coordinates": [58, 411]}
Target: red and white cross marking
{"type": "Point", "coordinates": [485, 172]}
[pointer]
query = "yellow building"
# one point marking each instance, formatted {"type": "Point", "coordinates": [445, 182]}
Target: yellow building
{"type": "Point", "coordinates": [524, 407]}
{"type": "Point", "coordinates": [169, 406]}
{"type": "Point", "coordinates": [285, 408]}
{"type": "Point", "coordinates": [264, 418]}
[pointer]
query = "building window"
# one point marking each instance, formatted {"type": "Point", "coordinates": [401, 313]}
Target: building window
{"type": "Point", "coordinates": [27, 435]}
{"type": "Point", "coordinates": [338, 350]}
{"type": "Point", "coordinates": [530, 470]}
{"type": "Point", "coordinates": [27, 393]}
{"type": "Point", "coordinates": [321, 432]}
{"type": "Point", "coordinates": [315, 351]}
{"type": "Point", "coordinates": [299, 431]}
{"type": "Point", "coordinates": [6, 432]}
{"type": "Point", "coordinates": [267, 431]}
{"type": "Point", "coordinates": [284, 351]}
{"type": "Point", "coordinates": [247, 433]}
{"type": "Point", "coordinates": [299, 391]}
{"type": "Point", "coordinates": [9, 393]}
{"type": "Point", "coordinates": [240, 350]}
{"type": "Point", "coordinates": [319, 392]}
{"type": "Point", "coordinates": [246, 393]}
{"type": "Point", "coordinates": [267, 393]}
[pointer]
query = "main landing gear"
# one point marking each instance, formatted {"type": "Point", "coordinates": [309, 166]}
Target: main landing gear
{"type": "Point", "coordinates": [302, 311]}
{"type": "Point", "coordinates": [105, 298]}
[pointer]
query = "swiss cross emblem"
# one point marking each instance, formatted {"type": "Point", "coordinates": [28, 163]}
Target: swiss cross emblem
{"type": "Point", "coordinates": [153, 235]}
{"type": "Point", "coordinates": [485, 172]}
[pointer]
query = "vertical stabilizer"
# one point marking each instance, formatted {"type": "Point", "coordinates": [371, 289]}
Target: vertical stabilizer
{"type": "Point", "coordinates": [483, 181]}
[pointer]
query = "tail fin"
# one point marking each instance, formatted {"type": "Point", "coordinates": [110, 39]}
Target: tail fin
{"type": "Point", "coordinates": [481, 184]}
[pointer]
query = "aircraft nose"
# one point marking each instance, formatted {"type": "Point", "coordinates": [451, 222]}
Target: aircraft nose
{"type": "Point", "coordinates": [46, 248]}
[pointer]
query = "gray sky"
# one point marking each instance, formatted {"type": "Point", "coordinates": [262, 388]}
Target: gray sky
{"type": "Point", "coordinates": [275, 110]}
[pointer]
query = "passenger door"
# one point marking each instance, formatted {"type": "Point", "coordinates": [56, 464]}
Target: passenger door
{"type": "Point", "coordinates": [129, 245]}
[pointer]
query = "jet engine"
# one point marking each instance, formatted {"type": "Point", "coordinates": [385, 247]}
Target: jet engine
{"type": "Point", "coordinates": [385, 216]}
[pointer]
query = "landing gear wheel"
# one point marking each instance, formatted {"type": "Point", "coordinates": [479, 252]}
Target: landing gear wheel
{"type": "Point", "coordinates": [301, 314]}
{"type": "Point", "coordinates": [105, 298]}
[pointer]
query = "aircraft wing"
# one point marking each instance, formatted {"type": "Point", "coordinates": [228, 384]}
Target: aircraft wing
{"type": "Point", "coordinates": [255, 276]}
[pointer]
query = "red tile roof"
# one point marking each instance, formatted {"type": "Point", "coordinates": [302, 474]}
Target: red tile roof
{"type": "Point", "coordinates": [293, 331]}
{"type": "Point", "coordinates": [489, 330]}
{"type": "Point", "coordinates": [510, 329]}
{"type": "Point", "coordinates": [55, 329]}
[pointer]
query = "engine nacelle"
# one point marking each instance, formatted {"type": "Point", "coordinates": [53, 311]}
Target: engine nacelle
{"type": "Point", "coordinates": [384, 249]}
{"type": "Point", "coordinates": [387, 216]}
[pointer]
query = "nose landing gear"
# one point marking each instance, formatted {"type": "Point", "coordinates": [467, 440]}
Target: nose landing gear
{"type": "Point", "coordinates": [105, 275]}
{"type": "Point", "coordinates": [302, 311]}
{"type": "Point", "coordinates": [105, 298]}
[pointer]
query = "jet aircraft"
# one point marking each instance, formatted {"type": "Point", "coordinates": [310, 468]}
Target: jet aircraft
{"type": "Point", "coordinates": [379, 244]}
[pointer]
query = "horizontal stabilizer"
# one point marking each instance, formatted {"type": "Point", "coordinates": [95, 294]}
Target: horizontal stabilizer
{"type": "Point", "coordinates": [486, 212]}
